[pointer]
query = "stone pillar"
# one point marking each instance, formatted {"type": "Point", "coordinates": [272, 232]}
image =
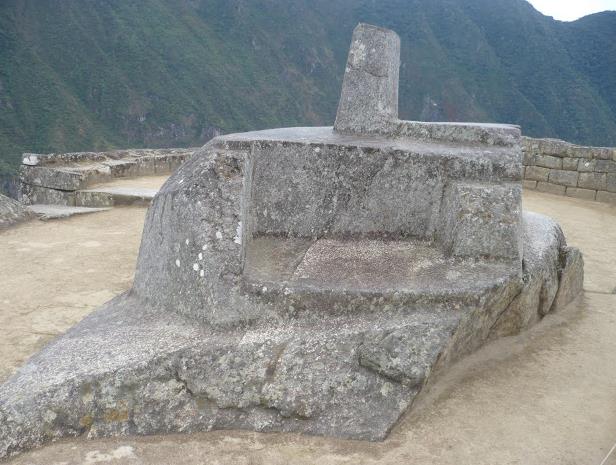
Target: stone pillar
{"type": "Point", "coordinates": [369, 99]}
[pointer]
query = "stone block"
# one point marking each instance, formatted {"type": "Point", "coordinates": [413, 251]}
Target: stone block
{"type": "Point", "coordinates": [528, 158]}
{"type": "Point", "coordinates": [602, 153]}
{"type": "Point", "coordinates": [611, 182]}
{"type": "Point", "coordinates": [51, 178]}
{"type": "Point", "coordinates": [31, 195]}
{"type": "Point", "coordinates": [608, 197]}
{"type": "Point", "coordinates": [528, 184]}
{"type": "Point", "coordinates": [369, 98]}
{"type": "Point", "coordinates": [581, 152]}
{"type": "Point", "coordinates": [562, 177]}
{"type": "Point", "coordinates": [548, 161]}
{"type": "Point", "coordinates": [555, 147]}
{"type": "Point", "coordinates": [483, 220]}
{"type": "Point", "coordinates": [605, 166]}
{"type": "Point", "coordinates": [571, 277]}
{"type": "Point", "coordinates": [12, 212]}
{"type": "Point", "coordinates": [93, 199]}
{"type": "Point", "coordinates": [596, 181]}
{"type": "Point", "coordinates": [551, 188]}
{"type": "Point", "coordinates": [570, 164]}
{"type": "Point", "coordinates": [585, 165]}
{"type": "Point", "coordinates": [578, 193]}
{"type": "Point", "coordinates": [536, 173]}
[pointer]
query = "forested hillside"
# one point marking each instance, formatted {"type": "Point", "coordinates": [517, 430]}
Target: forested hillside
{"type": "Point", "coordinates": [95, 74]}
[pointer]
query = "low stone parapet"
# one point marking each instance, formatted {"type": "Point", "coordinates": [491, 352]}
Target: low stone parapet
{"type": "Point", "coordinates": [558, 167]}
{"type": "Point", "coordinates": [56, 179]}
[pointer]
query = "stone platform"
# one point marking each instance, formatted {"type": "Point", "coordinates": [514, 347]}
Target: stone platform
{"type": "Point", "coordinates": [307, 279]}
{"type": "Point", "coordinates": [66, 179]}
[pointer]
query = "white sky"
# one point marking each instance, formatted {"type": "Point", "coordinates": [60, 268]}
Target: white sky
{"type": "Point", "coordinates": [569, 10]}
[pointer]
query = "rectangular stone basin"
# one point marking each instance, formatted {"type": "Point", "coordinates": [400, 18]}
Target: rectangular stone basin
{"type": "Point", "coordinates": [397, 270]}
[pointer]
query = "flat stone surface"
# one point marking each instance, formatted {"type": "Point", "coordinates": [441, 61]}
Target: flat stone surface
{"type": "Point", "coordinates": [499, 156]}
{"type": "Point", "coordinates": [136, 192]}
{"type": "Point", "coordinates": [54, 212]}
{"type": "Point", "coordinates": [408, 268]}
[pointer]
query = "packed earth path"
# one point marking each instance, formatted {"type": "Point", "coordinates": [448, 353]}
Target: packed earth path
{"type": "Point", "coordinates": [547, 396]}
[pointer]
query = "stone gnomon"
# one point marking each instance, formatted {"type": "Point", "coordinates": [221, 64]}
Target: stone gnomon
{"type": "Point", "coordinates": [307, 279]}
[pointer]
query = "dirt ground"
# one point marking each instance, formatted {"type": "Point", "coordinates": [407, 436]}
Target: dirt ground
{"type": "Point", "coordinates": [545, 397]}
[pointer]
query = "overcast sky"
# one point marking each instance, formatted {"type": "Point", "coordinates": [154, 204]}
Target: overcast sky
{"type": "Point", "coordinates": [569, 10]}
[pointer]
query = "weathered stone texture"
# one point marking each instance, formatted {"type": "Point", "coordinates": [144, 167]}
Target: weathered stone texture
{"type": "Point", "coordinates": [369, 99]}
{"type": "Point", "coordinates": [12, 212]}
{"type": "Point", "coordinates": [570, 164]}
{"type": "Point", "coordinates": [571, 277]}
{"type": "Point", "coordinates": [596, 181]}
{"type": "Point", "coordinates": [483, 220]}
{"type": "Point", "coordinates": [549, 161]}
{"type": "Point", "coordinates": [586, 194]}
{"type": "Point", "coordinates": [605, 166]}
{"type": "Point", "coordinates": [608, 197]}
{"type": "Point", "coordinates": [611, 182]}
{"type": "Point", "coordinates": [536, 173]}
{"type": "Point", "coordinates": [562, 177]}
{"type": "Point", "coordinates": [586, 166]}
{"type": "Point", "coordinates": [551, 188]}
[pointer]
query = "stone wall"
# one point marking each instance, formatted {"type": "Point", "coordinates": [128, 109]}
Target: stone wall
{"type": "Point", "coordinates": [558, 167]}
{"type": "Point", "coordinates": [56, 178]}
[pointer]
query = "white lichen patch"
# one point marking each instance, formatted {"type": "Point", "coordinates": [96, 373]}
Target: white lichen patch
{"type": "Point", "coordinates": [218, 235]}
{"type": "Point", "coordinates": [122, 452]}
{"type": "Point", "coordinates": [200, 256]}
{"type": "Point", "coordinates": [238, 234]}
{"type": "Point", "coordinates": [187, 242]}
{"type": "Point", "coordinates": [196, 266]}
{"type": "Point", "coordinates": [202, 273]}
{"type": "Point", "coordinates": [204, 247]}
{"type": "Point", "coordinates": [177, 263]}
{"type": "Point", "coordinates": [386, 389]}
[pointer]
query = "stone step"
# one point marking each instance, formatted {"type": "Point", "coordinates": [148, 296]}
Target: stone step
{"type": "Point", "coordinates": [111, 196]}
{"type": "Point", "coordinates": [54, 212]}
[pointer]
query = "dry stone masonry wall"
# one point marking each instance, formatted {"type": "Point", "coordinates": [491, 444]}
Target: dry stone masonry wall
{"type": "Point", "coordinates": [60, 178]}
{"type": "Point", "coordinates": [558, 167]}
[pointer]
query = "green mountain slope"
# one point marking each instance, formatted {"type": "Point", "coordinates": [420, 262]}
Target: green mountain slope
{"type": "Point", "coordinates": [95, 74]}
